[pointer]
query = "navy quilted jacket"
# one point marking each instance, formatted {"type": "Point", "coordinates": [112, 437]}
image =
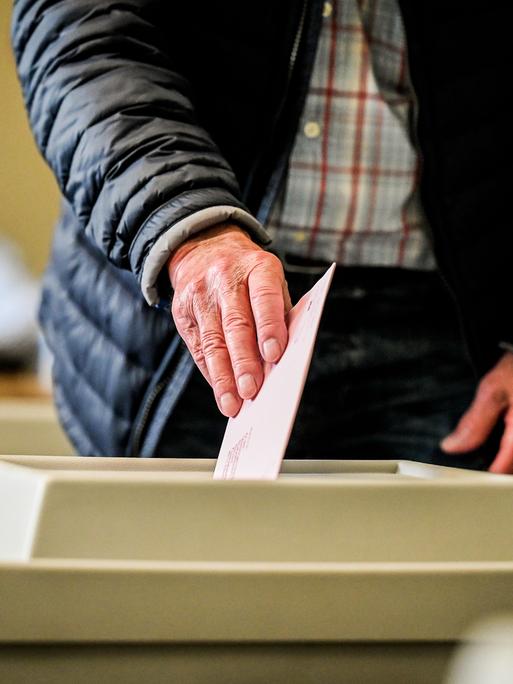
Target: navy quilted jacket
{"type": "Point", "coordinates": [148, 111]}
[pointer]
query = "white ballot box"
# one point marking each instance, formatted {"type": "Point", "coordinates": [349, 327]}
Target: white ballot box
{"type": "Point", "coordinates": [126, 570]}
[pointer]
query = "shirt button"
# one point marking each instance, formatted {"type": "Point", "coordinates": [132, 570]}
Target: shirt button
{"type": "Point", "coordinates": [312, 129]}
{"type": "Point", "coordinates": [300, 236]}
{"type": "Point", "coordinates": [327, 10]}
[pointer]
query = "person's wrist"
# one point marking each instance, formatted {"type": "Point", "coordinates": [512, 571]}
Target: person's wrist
{"type": "Point", "coordinates": [214, 233]}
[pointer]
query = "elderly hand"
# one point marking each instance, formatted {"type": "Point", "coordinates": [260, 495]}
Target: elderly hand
{"type": "Point", "coordinates": [229, 305]}
{"type": "Point", "coordinates": [493, 399]}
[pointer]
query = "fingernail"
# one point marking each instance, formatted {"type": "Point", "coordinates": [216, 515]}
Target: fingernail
{"type": "Point", "coordinates": [228, 403]}
{"type": "Point", "coordinates": [447, 443]}
{"type": "Point", "coordinates": [452, 441]}
{"type": "Point", "coordinates": [271, 349]}
{"type": "Point", "coordinates": [247, 385]}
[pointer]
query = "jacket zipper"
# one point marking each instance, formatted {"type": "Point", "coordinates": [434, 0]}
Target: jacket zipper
{"type": "Point", "coordinates": [143, 421]}
{"type": "Point", "coordinates": [297, 41]}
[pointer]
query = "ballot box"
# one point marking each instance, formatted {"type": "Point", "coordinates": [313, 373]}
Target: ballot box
{"type": "Point", "coordinates": [133, 570]}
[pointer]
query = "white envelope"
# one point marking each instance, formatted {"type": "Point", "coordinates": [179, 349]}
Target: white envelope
{"type": "Point", "coordinates": [256, 439]}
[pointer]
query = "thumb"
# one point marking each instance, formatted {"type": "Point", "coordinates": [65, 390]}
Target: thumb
{"type": "Point", "coordinates": [476, 424]}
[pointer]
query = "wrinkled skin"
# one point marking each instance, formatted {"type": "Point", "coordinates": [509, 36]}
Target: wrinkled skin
{"type": "Point", "coordinates": [229, 305]}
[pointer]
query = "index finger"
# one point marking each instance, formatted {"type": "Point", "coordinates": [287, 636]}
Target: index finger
{"type": "Point", "coordinates": [266, 294]}
{"type": "Point", "coordinates": [240, 337]}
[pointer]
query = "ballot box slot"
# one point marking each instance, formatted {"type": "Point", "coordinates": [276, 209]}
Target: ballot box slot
{"type": "Point", "coordinates": [310, 468]}
{"type": "Point", "coordinates": [172, 510]}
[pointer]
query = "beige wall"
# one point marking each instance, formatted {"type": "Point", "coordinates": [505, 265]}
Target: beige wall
{"type": "Point", "coordinates": [28, 193]}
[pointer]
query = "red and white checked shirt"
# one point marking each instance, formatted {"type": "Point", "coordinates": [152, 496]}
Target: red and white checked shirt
{"type": "Point", "coordinates": [351, 194]}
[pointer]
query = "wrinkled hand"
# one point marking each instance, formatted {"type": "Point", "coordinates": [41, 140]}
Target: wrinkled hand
{"type": "Point", "coordinates": [493, 399]}
{"type": "Point", "coordinates": [229, 305]}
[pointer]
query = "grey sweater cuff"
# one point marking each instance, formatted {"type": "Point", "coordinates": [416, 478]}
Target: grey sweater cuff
{"type": "Point", "coordinates": [186, 228]}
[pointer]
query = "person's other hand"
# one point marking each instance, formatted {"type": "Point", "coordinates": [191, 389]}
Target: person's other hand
{"type": "Point", "coordinates": [229, 305]}
{"type": "Point", "coordinates": [493, 399]}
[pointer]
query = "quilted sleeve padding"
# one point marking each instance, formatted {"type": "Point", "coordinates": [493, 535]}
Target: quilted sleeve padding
{"type": "Point", "coordinates": [115, 122]}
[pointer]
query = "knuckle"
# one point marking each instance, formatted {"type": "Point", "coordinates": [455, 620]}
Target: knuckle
{"type": "Point", "coordinates": [268, 267]}
{"type": "Point", "coordinates": [222, 264]}
{"type": "Point", "coordinates": [270, 261]}
{"type": "Point", "coordinates": [218, 272]}
{"type": "Point", "coordinates": [196, 350]}
{"type": "Point", "coordinates": [262, 297]}
{"type": "Point", "coordinates": [229, 287]}
{"type": "Point", "coordinates": [263, 289]}
{"type": "Point", "coordinates": [192, 287]}
{"type": "Point", "coordinates": [178, 307]}
{"type": "Point", "coordinates": [230, 279]}
{"type": "Point", "coordinates": [269, 322]}
{"type": "Point", "coordinates": [212, 342]}
{"type": "Point", "coordinates": [236, 321]}
{"type": "Point", "coordinates": [275, 264]}
{"type": "Point", "coordinates": [181, 316]}
{"type": "Point", "coordinates": [222, 383]}
{"type": "Point", "coordinates": [185, 299]}
{"type": "Point", "coordinates": [223, 280]}
{"type": "Point", "coordinates": [185, 323]}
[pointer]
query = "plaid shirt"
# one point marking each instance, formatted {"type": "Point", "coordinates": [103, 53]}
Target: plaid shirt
{"type": "Point", "coordinates": [351, 194]}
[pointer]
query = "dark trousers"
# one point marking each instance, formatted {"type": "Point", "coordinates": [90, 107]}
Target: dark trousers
{"type": "Point", "coordinates": [389, 378]}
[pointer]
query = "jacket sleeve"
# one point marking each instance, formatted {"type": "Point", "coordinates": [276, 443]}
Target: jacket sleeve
{"type": "Point", "coordinates": [115, 122]}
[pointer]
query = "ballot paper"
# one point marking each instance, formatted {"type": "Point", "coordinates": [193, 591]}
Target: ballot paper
{"type": "Point", "coordinates": [256, 439]}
